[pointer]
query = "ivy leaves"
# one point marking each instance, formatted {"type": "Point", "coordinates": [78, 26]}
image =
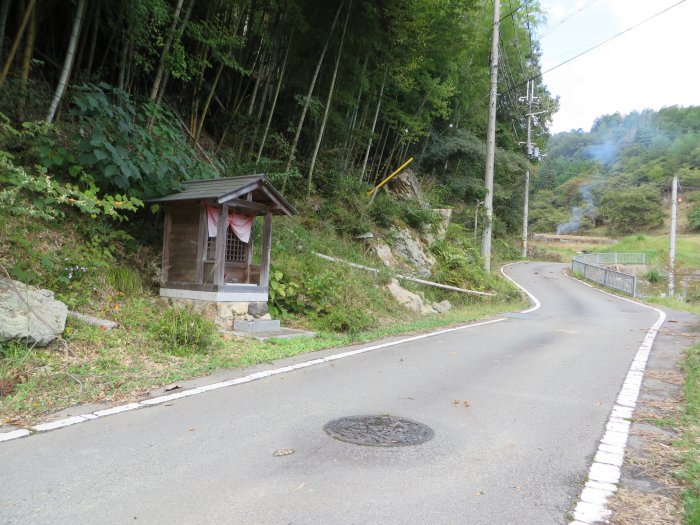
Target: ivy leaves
{"type": "Point", "coordinates": [131, 148]}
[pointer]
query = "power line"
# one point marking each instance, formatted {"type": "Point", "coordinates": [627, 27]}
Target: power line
{"type": "Point", "coordinates": [567, 17]}
{"type": "Point", "coordinates": [612, 37]}
{"type": "Point", "coordinates": [513, 11]}
{"type": "Point", "coordinates": [600, 44]}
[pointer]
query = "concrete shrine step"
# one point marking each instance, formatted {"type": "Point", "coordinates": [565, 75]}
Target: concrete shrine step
{"type": "Point", "coordinates": [263, 329]}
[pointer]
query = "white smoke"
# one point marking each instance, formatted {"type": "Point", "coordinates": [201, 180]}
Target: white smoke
{"type": "Point", "coordinates": [579, 213]}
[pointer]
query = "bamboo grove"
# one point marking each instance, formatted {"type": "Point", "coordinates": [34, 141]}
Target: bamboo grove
{"type": "Point", "coordinates": [300, 88]}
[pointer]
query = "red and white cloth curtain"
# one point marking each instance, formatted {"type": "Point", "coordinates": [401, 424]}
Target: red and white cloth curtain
{"type": "Point", "coordinates": [241, 225]}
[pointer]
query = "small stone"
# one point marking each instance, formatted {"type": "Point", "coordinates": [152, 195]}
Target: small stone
{"type": "Point", "coordinates": [442, 307]}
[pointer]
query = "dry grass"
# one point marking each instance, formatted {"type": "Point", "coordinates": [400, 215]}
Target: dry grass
{"type": "Point", "coordinates": [667, 376]}
{"type": "Point", "coordinates": [631, 507]}
{"type": "Point", "coordinates": [658, 460]}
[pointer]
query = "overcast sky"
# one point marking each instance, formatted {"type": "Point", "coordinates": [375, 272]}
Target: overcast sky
{"type": "Point", "coordinates": [651, 66]}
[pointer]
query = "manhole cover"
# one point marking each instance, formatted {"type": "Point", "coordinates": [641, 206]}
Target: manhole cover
{"type": "Point", "coordinates": [378, 431]}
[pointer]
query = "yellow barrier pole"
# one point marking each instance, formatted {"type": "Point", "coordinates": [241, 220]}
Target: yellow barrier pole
{"type": "Point", "coordinates": [398, 170]}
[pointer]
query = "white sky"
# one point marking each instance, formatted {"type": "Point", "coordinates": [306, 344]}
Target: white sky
{"type": "Point", "coordinates": [654, 65]}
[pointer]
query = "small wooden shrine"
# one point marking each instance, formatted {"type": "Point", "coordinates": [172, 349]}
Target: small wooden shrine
{"type": "Point", "coordinates": [209, 251]}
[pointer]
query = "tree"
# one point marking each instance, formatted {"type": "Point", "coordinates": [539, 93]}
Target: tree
{"type": "Point", "coordinates": [632, 210]}
{"type": "Point", "coordinates": [68, 62]}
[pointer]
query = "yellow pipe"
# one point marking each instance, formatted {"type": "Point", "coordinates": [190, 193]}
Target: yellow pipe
{"type": "Point", "coordinates": [376, 188]}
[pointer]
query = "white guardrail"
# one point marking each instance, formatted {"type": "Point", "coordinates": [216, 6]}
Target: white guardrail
{"type": "Point", "coordinates": [591, 266]}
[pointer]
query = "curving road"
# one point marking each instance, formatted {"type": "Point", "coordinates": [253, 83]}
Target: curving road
{"type": "Point", "coordinates": [539, 389]}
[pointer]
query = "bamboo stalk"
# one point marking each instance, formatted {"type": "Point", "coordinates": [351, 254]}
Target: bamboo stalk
{"type": "Point", "coordinates": [15, 44]}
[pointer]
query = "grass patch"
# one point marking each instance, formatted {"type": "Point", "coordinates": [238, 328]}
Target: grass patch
{"type": "Point", "coordinates": [155, 346]}
{"type": "Point", "coordinates": [674, 303]}
{"type": "Point", "coordinates": [690, 441]}
{"type": "Point", "coordinates": [656, 248]}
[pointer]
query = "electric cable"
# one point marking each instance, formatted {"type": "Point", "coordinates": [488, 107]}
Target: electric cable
{"type": "Point", "coordinates": [539, 75]}
{"type": "Point", "coordinates": [567, 17]}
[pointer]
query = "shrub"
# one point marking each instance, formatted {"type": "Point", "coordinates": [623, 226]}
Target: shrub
{"type": "Point", "coordinates": [385, 210]}
{"type": "Point", "coordinates": [416, 216]}
{"type": "Point", "coordinates": [346, 319]}
{"type": "Point", "coordinates": [126, 146]}
{"type": "Point", "coordinates": [459, 262]}
{"type": "Point", "coordinates": [631, 210]}
{"type": "Point", "coordinates": [183, 333]}
{"type": "Point", "coordinates": [653, 276]}
{"type": "Point", "coordinates": [694, 218]}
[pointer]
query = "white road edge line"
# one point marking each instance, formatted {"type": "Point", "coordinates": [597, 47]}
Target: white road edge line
{"type": "Point", "coordinates": [604, 473]}
{"type": "Point", "coordinates": [74, 420]}
{"type": "Point", "coordinates": [536, 303]}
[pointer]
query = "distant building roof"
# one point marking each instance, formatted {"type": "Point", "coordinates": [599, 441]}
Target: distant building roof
{"type": "Point", "coordinates": [229, 189]}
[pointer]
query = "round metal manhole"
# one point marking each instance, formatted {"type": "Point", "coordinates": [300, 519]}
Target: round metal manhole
{"type": "Point", "coordinates": [379, 431]}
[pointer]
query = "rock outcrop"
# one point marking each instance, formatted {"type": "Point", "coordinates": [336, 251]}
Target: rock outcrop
{"type": "Point", "coordinates": [412, 250]}
{"type": "Point", "coordinates": [406, 186]}
{"type": "Point", "coordinates": [30, 314]}
{"type": "Point", "coordinates": [407, 299]}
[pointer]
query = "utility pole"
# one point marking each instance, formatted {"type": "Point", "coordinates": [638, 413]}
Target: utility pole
{"type": "Point", "coordinates": [672, 244]}
{"type": "Point", "coordinates": [526, 200]}
{"type": "Point", "coordinates": [491, 141]}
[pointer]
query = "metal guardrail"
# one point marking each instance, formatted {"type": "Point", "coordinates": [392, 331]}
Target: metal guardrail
{"type": "Point", "coordinates": [592, 267]}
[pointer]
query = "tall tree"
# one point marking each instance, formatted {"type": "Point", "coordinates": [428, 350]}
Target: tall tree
{"type": "Point", "coordinates": [328, 101]}
{"type": "Point", "coordinates": [307, 100]}
{"type": "Point", "coordinates": [68, 62]}
{"type": "Point", "coordinates": [166, 50]}
{"type": "Point", "coordinates": [18, 38]}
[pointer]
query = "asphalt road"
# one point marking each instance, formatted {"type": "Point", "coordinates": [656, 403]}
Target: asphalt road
{"type": "Point", "coordinates": [539, 389]}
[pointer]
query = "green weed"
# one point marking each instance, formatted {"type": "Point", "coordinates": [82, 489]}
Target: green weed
{"type": "Point", "coordinates": [653, 276]}
{"type": "Point", "coordinates": [690, 443]}
{"type": "Point", "coordinates": [125, 280]}
{"type": "Point", "coordinates": [183, 333]}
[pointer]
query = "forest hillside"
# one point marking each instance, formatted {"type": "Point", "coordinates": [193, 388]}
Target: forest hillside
{"type": "Point", "coordinates": [105, 104]}
{"type": "Point", "coordinates": [618, 176]}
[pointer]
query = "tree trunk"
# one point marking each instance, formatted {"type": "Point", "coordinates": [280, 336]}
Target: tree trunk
{"type": "Point", "coordinates": [307, 100]}
{"type": "Point", "coordinates": [274, 100]}
{"type": "Point", "coordinates": [261, 108]}
{"type": "Point", "coordinates": [328, 103]}
{"type": "Point", "coordinates": [112, 38]}
{"type": "Point", "coordinates": [379, 154]}
{"type": "Point", "coordinates": [4, 11]}
{"type": "Point", "coordinates": [123, 54]}
{"type": "Point", "coordinates": [374, 125]}
{"type": "Point", "coordinates": [165, 52]}
{"type": "Point", "coordinates": [93, 38]}
{"type": "Point", "coordinates": [205, 109]}
{"type": "Point", "coordinates": [15, 43]}
{"type": "Point", "coordinates": [256, 86]}
{"type": "Point", "coordinates": [68, 64]}
{"type": "Point", "coordinates": [178, 35]}
{"type": "Point", "coordinates": [26, 62]}
{"type": "Point", "coordinates": [356, 109]}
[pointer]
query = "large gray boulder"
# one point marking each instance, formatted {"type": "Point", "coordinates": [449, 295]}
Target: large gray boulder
{"type": "Point", "coordinates": [412, 251]}
{"type": "Point", "coordinates": [407, 299]}
{"type": "Point", "coordinates": [29, 313]}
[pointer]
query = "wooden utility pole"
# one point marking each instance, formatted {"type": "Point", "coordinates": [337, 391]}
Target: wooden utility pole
{"type": "Point", "coordinates": [672, 243]}
{"type": "Point", "coordinates": [526, 198]}
{"type": "Point", "coordinates": [491, 141]}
